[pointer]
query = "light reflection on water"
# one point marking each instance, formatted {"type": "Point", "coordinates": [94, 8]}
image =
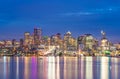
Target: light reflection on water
{"type": "Point", "coordinates": [105, 68]}
{"type": "Point", "coordinates": [59, 68]}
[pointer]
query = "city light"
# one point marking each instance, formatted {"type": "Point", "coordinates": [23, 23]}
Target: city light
{"type": "Point", "coordinates": [38, 45]}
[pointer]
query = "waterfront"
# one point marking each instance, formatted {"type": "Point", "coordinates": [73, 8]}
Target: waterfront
{"type": "Point", "coordinates": [59, 68]}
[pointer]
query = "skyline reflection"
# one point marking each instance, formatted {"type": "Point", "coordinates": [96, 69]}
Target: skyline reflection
{"type": "Point", "coordinates": [105, 68]}
{"type": "Point", "coordinates": [59, 68]}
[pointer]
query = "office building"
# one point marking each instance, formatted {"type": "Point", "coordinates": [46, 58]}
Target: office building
{"type": "Point", "coordinates": [37, 36]}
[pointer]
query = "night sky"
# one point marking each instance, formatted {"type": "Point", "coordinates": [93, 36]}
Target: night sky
{"type": "Point", "coordinates": [53, 16]}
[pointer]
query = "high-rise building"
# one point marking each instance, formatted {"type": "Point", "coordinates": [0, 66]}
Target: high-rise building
{"type": "Point", "coordinates": [70, 43]}
{"type": "Point", "coordinates": [80, 43]}
{"type": "Point", "coordinates": [21, 42]}
{"type": "Point", "coordinates": [37, 36]}
{"type": "Point", "coordinates": [104, 44]}
{"type": "Point", "coordinates": [45, 40]}
{"type": "Point", "coordinates": [87, 42]}
{"type": "Point", "coordinates": [14, 42]}
{"type": "Point", "coordinates": [56, 40]}
{"type": "Point", "coordinates": [27, 38]}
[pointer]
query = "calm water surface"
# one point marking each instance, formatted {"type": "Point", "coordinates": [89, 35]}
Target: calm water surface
{"type": "Point", "coordinates": [59, 68]}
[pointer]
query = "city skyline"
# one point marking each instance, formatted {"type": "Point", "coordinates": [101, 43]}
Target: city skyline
{"type": "Point", "coordinates": [40, 36]}
{"type": "Point", "coordinates": [62, 34]}
{"type": "Point", "coordinates": [79, 17]}
{"type": "Point", "coordinates": [59, 39]}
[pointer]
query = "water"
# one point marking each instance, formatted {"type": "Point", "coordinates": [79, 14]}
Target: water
{"type": "Point", "coordinates": [59, 68]}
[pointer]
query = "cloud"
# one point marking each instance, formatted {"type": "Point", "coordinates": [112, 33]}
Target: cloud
{"type": "Point", "coordinates": [97, 11]}
{"type": "Point", "coordinates": [77, 13]}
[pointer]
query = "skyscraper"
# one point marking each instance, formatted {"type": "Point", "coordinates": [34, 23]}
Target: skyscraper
{"type": "Point", "coordinates": [26, 38]}
{"type": "Point", "coordinates": [56, 40]}
{"type": "Point", "coordinates": [87, 42]}
{"type": "Point", "coordinates": [70, 43]}
{"type": "Point", "coordinates": [21, 42]}
{"type": "Point", "coordinates": [105, 44]}
{"type": "Point", "coordinates": [14, 42]}
{"type": "Point", "coordinates": [37, 36]}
